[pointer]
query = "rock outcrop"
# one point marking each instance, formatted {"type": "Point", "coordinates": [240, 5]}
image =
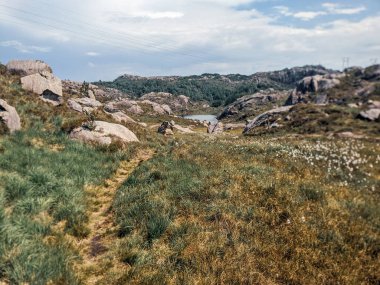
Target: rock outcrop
{"type": "Point", "coordinates": [157, 108]}
{"type": "Point", "coordinates": [168, 101]}
{"type": "Point", "coordinates": [251, 103]}
{"type": "Point", "coordinates": [313, 84]}
{"type": "Point", "coordinates": [28, 67]}
{"type": "Point", "coordinates": [44, 84]}
{"type": "Point", "coordinates": [84, 89]}
{"type": "Point", "coordinates": [9, 116]}
{"type": "Point", "coordinates": [103, 133]}
{"type": "Point", "coordinates": [38, 78]}
{"type": "Point", "coordinates": [264, 118]}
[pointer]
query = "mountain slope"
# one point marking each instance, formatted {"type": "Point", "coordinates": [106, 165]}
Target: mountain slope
{"type": "Point", "coordinates": [215, 88]}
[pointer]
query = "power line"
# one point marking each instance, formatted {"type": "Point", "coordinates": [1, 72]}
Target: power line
{"type": "Point", "coordinates": [131, 41]}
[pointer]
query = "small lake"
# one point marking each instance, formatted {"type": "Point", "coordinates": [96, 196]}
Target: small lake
{"type": "Point", "coordinates": [208, 118]}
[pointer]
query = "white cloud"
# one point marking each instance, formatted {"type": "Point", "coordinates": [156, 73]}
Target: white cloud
{"type": "Point", "coordinates": [183, 36]}
{"type": "Point", "coordinates": [334, 8]}
{"type": "Point", "coordinates": [24, 48]}
{"type": "Point", "coordinates": [92, 53]}
{"type": "Point", "coordinates": [330, 9]}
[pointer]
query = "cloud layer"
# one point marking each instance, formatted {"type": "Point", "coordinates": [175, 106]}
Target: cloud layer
{"type": "Point", "coordinates": [185, 37]}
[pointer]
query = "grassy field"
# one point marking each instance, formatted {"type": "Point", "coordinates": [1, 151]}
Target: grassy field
{"type": "Point", "coordinates": [273, 211]}
{"type": "Point", "coordinates": [229, 209]}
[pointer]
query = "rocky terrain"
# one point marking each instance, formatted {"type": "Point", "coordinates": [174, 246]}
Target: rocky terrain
{"type": "Point", "coordinates": [215, 88]}
{"type": "Point", "coordinates": [104, 186]}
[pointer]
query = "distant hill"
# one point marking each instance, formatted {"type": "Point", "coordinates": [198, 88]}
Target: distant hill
{"type": "Point", "coordinates": [215, 88]}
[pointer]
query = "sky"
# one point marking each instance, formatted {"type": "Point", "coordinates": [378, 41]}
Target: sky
{"type": "Point", "coordinates": [101, 40]}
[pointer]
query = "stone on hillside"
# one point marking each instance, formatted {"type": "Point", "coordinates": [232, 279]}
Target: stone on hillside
{"type": "Point", "coordinates": [103, 133]}
{"type": "Point", "coordinates": [372, 72]}
{"type": "Point", "coordinates": [215, 128]}
{"type": "Point", "coordinates": [264, 118]}
{"type": "Point", "coordinates": [9, 116]}
{"type": "Point", "coordinates": [136, 109]}
{"type": "Point", "coordinates": [173, 102]}
{"type": "Point", "coordinates": [74, 106]}
{"type": "Point", "coordinates": [28, 67]}
{"type": "Point", "coordinates": [370, 115]}
{"type": "Point", "coordinates": [45, 84]}
{"type": "Point", "coordinates": [121, 117]}
{"type": "Point", "coordinates": [88, 102]}
{"type": "Point", "coordinates": [182, 129]}
{"type": "Point", "coordinates": [166, 128]}
{"type": "Point", "coordinates": [91, 94]}
{"type": "Point", "coordinates": [232, 126]}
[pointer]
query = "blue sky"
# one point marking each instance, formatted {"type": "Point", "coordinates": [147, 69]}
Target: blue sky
{"type": "Point", "coordinates": [100, 40]}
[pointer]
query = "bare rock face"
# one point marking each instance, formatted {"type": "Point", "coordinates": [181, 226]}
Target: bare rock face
{"type": "Point", "coordinates": [251, 102]}
{"type": "Point", "coordinates": [103, 133]}
{"type": "Point", "coordinates": [28, 67]}
{"type": "Point", "coordinates": [313, 84]}
{"type": "Point", "coordinates": [9, 116]}
{"type": "Point", "coordinates": [215, 128]}
{"type": "Point", "coordinates": [264, 118]}
{"type": "Point", "coordinates": [44, 84]}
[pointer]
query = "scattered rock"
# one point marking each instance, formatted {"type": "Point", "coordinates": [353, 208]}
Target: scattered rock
{"type": "Point", "coordinates": [215, 128]}
{"type": "Point", "coordinates": [370, 115]}
{"type": "Point", "coordinates": [177, 103]}
{"type": "Point", "coordinates": [9, 116]}
{"type": "Point", "coordinates": [88, 102]}
{"type": "Point", "coordinates": [121, 117]}
{"type": "Point", "coordinates": [103, 133]}
{"type": "Point", "coordinates": [166, 128]}
{"type": "Point", "coordinates": [28, 67]}
{"type": "Point", "coordinates": [74, 105]}
{"type": "Point", "coordinates": [372, 72]}
{"type": "Point", "coordinates": [234, 126]}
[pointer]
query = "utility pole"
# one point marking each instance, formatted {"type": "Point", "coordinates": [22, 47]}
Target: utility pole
{"type": "Point", "coordinates": [345, 62]}
{"type": "Point", "coordinates": [373, 61]}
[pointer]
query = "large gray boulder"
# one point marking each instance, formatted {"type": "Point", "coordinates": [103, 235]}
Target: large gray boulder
{"type": "Point", "coordinates": [28, 67]}
{"type": "Point", "coordinates": [45, 84]}
{"type": "Point", "coordinates": [74, 105]}
{"type": "Point", "coordinates": [264, 118]}
{"type": "Point", "coordinates": [103, 133]}
{"type": "Point", "coordinates": [9, 116]}
{"type": "Point", "coordinates": [370, 115]}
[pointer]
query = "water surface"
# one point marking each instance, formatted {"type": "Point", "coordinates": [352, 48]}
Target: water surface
{"type": "Point", "coordinates": [208, 118]}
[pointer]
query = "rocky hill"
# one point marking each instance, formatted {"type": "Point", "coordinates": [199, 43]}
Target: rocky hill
{"type": "Point", "coordinates": [215, 88]}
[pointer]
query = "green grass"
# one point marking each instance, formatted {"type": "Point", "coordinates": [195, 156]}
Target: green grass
{"type": "Point", "coordinates": [249, 213]}
{"type": "Point", "coordinates": [41, 187]}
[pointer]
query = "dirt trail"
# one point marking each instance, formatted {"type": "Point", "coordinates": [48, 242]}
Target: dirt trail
{"type": "Point", "coordinates": [94, 247]}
